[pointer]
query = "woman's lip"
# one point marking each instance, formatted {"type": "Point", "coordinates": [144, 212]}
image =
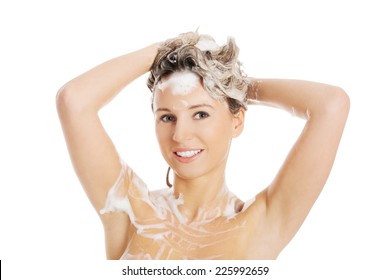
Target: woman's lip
{"type": "Point", "coordinates": [186, 149]}
{"type": "Point", "coordinates": [187, 159]}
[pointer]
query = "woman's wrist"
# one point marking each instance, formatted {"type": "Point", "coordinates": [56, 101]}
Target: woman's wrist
{"type": "Point", "coordinates": [151, 53]}
{"type": "Point", "coordinates": [254, 89]}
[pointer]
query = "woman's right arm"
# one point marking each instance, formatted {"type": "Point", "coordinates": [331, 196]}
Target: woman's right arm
{"type": "Point", "coordinates": [93, 155]}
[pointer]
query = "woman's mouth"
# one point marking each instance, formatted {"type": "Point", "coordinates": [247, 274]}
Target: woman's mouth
{"type": "Point", "coordinates": [188, 155]}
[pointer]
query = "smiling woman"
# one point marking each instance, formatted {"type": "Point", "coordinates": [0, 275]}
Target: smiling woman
{"type": "Point", "coordinates": [199, 102]}
{"type": "Point", "coordinates": [194, 128]}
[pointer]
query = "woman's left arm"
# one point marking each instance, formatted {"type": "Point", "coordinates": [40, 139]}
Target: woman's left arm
{"type": "Point", "coordinates": [301, 178]}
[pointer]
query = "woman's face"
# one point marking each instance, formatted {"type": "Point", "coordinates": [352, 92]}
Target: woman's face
{"type": "Point", "coordinates": [194, 131]}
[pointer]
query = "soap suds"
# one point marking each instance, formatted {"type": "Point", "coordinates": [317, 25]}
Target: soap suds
{"type": "Point", "coordinates": [180, 83]}
{"type": "Point", "coordinates": [207, 44]}
{"type": "Point", "coordinates": [159, 222]}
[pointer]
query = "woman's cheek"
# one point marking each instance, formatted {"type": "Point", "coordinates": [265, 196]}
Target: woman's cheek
{"type": "Point", "coordinates": [163, 138]}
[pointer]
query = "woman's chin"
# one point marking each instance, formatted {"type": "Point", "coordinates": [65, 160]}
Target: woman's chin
{"type": "Point", "coordinates": [188, 174]}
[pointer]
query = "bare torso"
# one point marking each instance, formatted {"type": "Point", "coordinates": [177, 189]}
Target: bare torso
{"type": "Point", "coordinates": [170, 237]}
{"type": "Point", "coordinates": [159, 230]}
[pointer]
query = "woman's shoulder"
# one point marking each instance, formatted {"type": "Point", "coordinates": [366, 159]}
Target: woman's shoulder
{"type": "Point", "coordinates": [165, 197]}
{"type": "Point", "coordinates": [160, 193]}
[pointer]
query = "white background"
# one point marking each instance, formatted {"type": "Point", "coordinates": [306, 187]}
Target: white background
{"type": "Point", "coordinates": [48, 228]}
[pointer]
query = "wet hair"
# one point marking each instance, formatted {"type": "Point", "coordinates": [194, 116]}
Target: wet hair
{"type": "Point", "coordinates": [218, 66]}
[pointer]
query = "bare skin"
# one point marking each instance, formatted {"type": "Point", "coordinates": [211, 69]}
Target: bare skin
{"type": "Point", "coordinates": [195, 121]}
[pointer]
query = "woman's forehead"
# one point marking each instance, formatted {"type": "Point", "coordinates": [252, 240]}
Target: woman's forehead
{"type": "Point", "coordinates": [168, 99]}
{"type": "Point", "coordinates": [182, 90]}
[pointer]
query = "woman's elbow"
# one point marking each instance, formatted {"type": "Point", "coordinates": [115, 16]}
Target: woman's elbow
{"type": "Point", "coordinates": [70, 101]}
{"type": "Point", "coordinates": [64, 99]}
{"type": "Point", "coordinates": [338, 101]}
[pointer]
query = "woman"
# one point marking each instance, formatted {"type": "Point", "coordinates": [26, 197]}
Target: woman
{"type": "Point", "coordinates": [199, 100]}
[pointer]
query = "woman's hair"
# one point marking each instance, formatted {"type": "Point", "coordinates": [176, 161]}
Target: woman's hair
{"type": "Point", "coordinates": [218, 66]}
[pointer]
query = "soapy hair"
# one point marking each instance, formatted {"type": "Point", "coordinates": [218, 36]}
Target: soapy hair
{"type": "Point", "coordinates": [218, 66]}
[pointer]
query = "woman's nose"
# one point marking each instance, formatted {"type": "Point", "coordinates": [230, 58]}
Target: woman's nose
{"type": "Point", "coordinates": [182, 132]}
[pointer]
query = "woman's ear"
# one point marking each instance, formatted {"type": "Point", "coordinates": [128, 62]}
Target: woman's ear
{"type": "Point", "coordinates": [238, 122]}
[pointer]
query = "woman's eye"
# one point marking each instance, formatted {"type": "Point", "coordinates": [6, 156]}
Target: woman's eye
{"type": "Point", "coordinates": [201, 115]}
{"type": "Point", "coordinates": [167, 118]}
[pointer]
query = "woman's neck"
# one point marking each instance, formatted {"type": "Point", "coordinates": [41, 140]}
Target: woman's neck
{"type": "Point", "coordinates": [205, 198]}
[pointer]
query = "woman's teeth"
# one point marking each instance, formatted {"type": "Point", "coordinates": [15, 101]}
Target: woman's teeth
{"type": "Point", "coordinates": [188, 154]}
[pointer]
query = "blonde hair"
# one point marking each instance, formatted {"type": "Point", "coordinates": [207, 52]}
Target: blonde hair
{"type": "Point", "coordinates": [218, 66]}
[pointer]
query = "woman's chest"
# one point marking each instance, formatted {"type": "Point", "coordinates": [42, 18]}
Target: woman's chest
{"type": "Point", "coordinates": [164, 240]}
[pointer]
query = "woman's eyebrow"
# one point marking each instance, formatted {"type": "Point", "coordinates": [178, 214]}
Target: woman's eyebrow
{"type": "Point", "coordinates": [162, 109]}
{"type": "Point", "coordinates": [190, 108]}
{"type": "Point", "coordinates": [201, 105]}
